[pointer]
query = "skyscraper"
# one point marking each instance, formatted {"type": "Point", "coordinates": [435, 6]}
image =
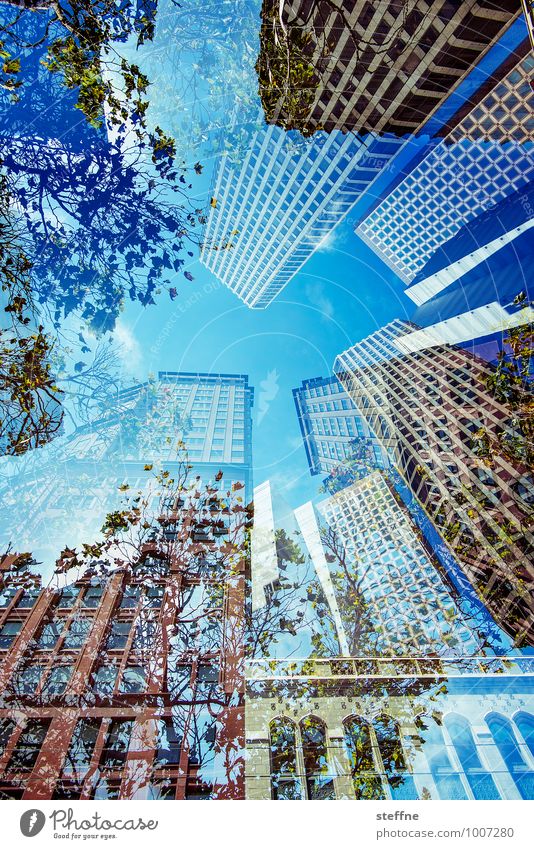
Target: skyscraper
{"type": "Point", "coordinates": [270, 212]}
{"type": "Point", "coordinates": [428, 408]}
{"type": "Point", "coordinates": [487, 156]}
{"type": "Point", "coordinates": [65, 495]}
{"type": "Point", "coordinates": [124, 679]}
{"type": "Point", "coordinates": [329, 422]}
{"type": "Point", "coordinates": [413, 608]}
{"type": "Point", "coordinates": [363, 69]}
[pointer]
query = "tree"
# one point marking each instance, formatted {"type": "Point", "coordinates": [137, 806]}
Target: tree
{"type": "Point", "coordinates": [511, 383]}
{"type": "Point", "coordinates": [98, 225]}
{"type": "Point", "coordinates": [202, 63]}
{"type": "Point", "coordinates": [30, 409]}
{"type": "Point", "coordinates": [82, 40]}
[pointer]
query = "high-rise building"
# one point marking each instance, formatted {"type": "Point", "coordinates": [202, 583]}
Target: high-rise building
{"type": "Point", "coordinates": [329, 423]}
{"type": "Point", "coordinates": [427, 408]}
{"type": "Point", "coordinates": [64, 496]}
{"type": "Point", "coordinates": [413, 607]}
{"type": "Point", "coordinates": [362, 540]}
{"type": "Point", "coordinates": [126, 682]}
{"type": "Point", "coordinates": [364, 68]}
{"type": "Point", "coordinates": [269, 213]}
{"type": "Point", "coordinates": [487, 155]}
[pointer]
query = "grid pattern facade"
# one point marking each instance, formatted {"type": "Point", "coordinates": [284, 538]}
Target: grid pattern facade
{"type": "Point", "coordinates": [506, 112]}
{"type": "Point", "coordinates": [412, 607]}
{"type": "Point", "coordinates": [386, 67]}
{"type": "Point", "coordinates": [488, 156]}
{"type": "Point", "coordinates": [273, 211]}
{"type": "Point", "coordinates": [329, 421]}
{"type": "Point", "coordinates": [454, 183]}
{"type": "Point", "coordinates": [426, 407]}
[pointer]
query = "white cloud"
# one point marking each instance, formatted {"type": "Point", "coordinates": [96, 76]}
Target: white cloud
{"type": "Point", "coordinates": [329, 243]}
{"type": "Point", "coordinates": [128, 349]}
{"type": "Point", "coordinates": [315, 294]}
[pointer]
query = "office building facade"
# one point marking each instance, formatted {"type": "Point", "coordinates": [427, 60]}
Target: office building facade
{"type": "Point", "coordinates": [427, 407]}
{"type": "Point", "coordinates": [336, 728]}
{"type": "Point", "coordinates": [372, 69]}
{"type": "Point", "coordinates": [270, 213]}
{"type": "Point", "coordinates": [487, 156]}
{"type": "Point", "coordinates": [329, 422]}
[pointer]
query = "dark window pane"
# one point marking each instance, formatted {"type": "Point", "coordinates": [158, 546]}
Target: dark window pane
{"type": "Point", "coordinates": [26, 752]}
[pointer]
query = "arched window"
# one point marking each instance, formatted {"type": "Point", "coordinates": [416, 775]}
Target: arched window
{"type": "Point", "coordinates": [285, 782]}
{"type": "Point", "coordinates": [401, 783]}
{"type": "Point", "coordinates": [447, 780]}
{"type": "Point", "coordinates": [319, 783]}
{"type": "Point", "coordinates": [506, 742]}
{"type": "Point", "coordinates": [358, 743]}
{"type": "Point", "coordinates": [480, 781]}
{"type": "Point", "coordinates": [525, 723]}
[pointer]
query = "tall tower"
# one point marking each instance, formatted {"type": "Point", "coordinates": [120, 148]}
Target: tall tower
{"type": "Point", "coordinates": [427, 407]}
{"type": "Point", "coordinates": [329, 424]}
{"type": "Point", "coordinates": [487, 155]}
{"type": "Point", "coordinates": [361, 69]}
{"type": "Point", "coordinates": [270, 213]}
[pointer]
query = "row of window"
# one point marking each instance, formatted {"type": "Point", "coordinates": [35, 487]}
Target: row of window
{"type": "Point", "coordinates": [380, 761]}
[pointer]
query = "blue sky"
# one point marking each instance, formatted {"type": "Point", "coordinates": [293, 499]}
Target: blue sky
{"type": "Point", "coordinates": [341, 294]}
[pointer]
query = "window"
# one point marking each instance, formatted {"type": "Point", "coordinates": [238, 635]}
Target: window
{"type": "Point", "coordinates": [154, 596]}
{"type": "Point", "coordinates": [68, 597]}
{"type": "Point", "coordinates": [81, 747]}
{"type": "Point", "coordinates": [28, 598]}
{"type": "Point", "coordinates": [168, 745]}
{"type": "Point", "coordinates": [8, 633]}
{"type": "Point", "coordinates": [130, 597]}
{"type": "Point", "coordinates": [525, 724]}
{"type": "Point", "coordinates": [104, 678]}
{"type": "Point", "coordinates": [447, 780]}
{"type": "Point", "coordinates": [207, 678]}
{"type": "Point", "coordinates": [27, 680]}
{"type": "Point", "coordinates": [479, 779]}
{"type": "Point", "coordinates": [118, 636]}
{"type": "Point", "coordinates": [50, 634]}
{"type": "Point", "coordinates": [7, 596]}
{"type": "Point", "coordinates": [389, 742]}
{"type": "Point", "coordinates": [319, 783]}
{"type": "Point", "coordinates": [26, 752]}
{"type": "Point", "coordinates": [57, 681]}
{"type": "Point", "coordinates": [358, 743]}
{"type": "Point", "coordinates": [285, 782]}
{"type": "Point", "coordinates": [506, 742]}
{"type": "Point", "coordinates": [77, 633]}
{"type": "Point", "coordinates": [133, 680]}
{"type": "Point", "coordinates": [116, 743]}
{"type": "Point", "coordinates": [92, 597]}
{"type": "Point", "coordinates": [179, 682]}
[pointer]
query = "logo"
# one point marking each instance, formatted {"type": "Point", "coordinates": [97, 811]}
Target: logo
{"type": "Point", "coordinates": [32, 822]}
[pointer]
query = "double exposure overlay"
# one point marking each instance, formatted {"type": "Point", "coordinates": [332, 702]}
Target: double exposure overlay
{"type": "Point", "coordinates": [266, 400]}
